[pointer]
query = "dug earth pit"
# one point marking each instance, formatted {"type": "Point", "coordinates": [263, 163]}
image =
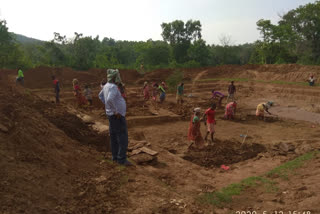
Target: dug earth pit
{"type": "Point", "coordinates": [223, 152]}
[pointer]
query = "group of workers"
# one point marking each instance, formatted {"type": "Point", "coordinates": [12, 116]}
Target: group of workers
{"type": "Point", "coordinates": [194, 133]}
{"type": "Point", "coordinates": [153, 93]}
{"type": "Point", "coordinates": [113, 96]}
{"type": "Point", "coordinates": [81, 100]}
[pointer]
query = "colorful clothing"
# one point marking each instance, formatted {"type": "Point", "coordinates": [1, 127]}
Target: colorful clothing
{"type": "Point", "coordinates": [210, 127]}
{"type": "Point", "coordinates": [311, 81]}
{"type": "Point", "coordinates": [210, 113]}
{"type": "Point", "coordinates": [194, 133]}
{"type": "Point", "coordinates": [260, 109]}
{"type": "Point", "coordinates": [230, 110]}
{"type": "Point", "coordinates": [162, 93]}
{"type": "Point", "coordinates": [217, 94]}
{"type": "Point", "coordinates": [180, 90]}
{"type": "Point", "coordinates": [154, 93]}
{"type": "Point", "coordinates": [20, 74]}
{"type": "Point", "coordinates": [146, 93]}
{"type": "Point", "coordinates": [81, 100]}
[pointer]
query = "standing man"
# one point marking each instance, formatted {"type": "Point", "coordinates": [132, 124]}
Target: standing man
{"type": "Point", "coordinates": [311, 80]}
{"type": "Point", "coordinates": [209, 117]}
{"type": "Point", "coordinates": [231, 91]}
{"type": "Point", "coordinates": [115, 106]}
{"type": "Point", "coordinates": [180, 90]}
{"type": "Point", "coordinates": [56, 86]}
{"type": "Point", "coordinates": [20, 77]}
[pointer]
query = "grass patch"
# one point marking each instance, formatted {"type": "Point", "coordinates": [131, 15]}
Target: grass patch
{"type": "Point", "coordinates": [285, 169]}
{"type": "Point", "coordinates": [225, 195]}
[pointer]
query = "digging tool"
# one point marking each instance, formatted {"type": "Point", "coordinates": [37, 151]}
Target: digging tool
{"type": "Point", "coordinates": [244, 139]}
{"type": "Point", "coordinates": [190, 144]}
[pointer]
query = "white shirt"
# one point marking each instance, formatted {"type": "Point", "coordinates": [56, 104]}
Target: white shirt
{"type": "Point", "coordinates": [112, 99]}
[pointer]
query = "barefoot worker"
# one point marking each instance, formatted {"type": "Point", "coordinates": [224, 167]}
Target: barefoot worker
{"type": "Point", "coordinates": [115, 106]}
{"type": "Point", "coordinates": [56, 87]}
{"type": "Point", "coordinates": [311, 80]}
{"type": "Point", "coordinates": [20, 77]}
{"type": "Point", "coordinates": [230, 110]}
{"type": "Point", "coordinates": [194, 133]}
{"type": "Point", "coordinates": [80, 99]}
{"type": "Point", "coordinates": [179, 96]}
{"type": "Point", "coordinates": [162, 92]}
{"type": "Point", "coordinates": [263, 107]}
{"type": "Point", "coordinates": [217, 95]}
{"type": "Point", "coordinates": [155, 92]}
{"type": "Point", "coordinates": [146, 93]}
{"type": "Point", "coordinates": [231, 91]}
{"type": "Point", "coordinates": [88, 94]}
{"type": "Point", "coordinates": [209, 117]}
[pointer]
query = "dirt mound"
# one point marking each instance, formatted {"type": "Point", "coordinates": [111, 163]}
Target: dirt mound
{"type": "Point", "coordinates": [40, 77]}
{"type": "Point", "coordinates": [158, 76]}
{"type": "Point", "coordinates": [45, 171]}
{"type": "Point", "coordinates": [128, 76]}
{"type": "Point", "coordinates": [285, 72]}
{"type": "Point", "coordinates": [223, 152]}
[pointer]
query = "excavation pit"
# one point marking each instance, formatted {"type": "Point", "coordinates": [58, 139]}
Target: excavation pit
{"type": "Point", "coordinates": [223, 152]}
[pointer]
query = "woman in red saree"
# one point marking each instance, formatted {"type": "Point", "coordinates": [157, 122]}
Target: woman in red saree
{"type": "Point", "coordinates": [80, 99]}
{"type": "Point", "coordinates": [194, 133]}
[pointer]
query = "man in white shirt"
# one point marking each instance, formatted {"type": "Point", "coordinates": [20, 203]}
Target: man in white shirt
{"type": "Point", "coordinates": [115, 106]}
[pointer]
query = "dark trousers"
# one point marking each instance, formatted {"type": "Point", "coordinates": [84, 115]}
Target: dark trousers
{"type": "Point", "coordinates": [118, 138]}
{"type": "Point", "coordinates": [57, 96]}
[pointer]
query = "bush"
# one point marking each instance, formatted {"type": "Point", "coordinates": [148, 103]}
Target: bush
{"type": "Point", "coordinates": [174, 79]}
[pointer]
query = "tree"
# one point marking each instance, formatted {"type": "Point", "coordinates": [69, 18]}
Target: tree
{"type": "Point", "coordinates": [180, 36]}
{"type": "Point", "coordinates": [11, 55]}
{"type": "Point", "coordinates": [199, 52]}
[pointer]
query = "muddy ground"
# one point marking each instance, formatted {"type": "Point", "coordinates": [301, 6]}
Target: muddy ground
{"type": "Point", "coordinates": [56, 159]}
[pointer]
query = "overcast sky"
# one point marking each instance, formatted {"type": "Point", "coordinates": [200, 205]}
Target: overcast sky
{"type": "Point", "coordinates": [141, 19]}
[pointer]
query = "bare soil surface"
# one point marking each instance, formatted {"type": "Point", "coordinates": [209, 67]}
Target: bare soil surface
{"type": "Point", "coordinates": [56, 159]}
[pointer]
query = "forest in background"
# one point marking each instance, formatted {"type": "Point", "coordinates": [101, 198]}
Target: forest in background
{"type": "Point", "coordinates": [294, 39]}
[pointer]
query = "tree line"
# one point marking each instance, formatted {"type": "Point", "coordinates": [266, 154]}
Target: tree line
{"type": "Point", "coordinates": [295, 39]}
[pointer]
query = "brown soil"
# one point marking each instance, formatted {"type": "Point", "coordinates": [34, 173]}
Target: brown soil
{"type": "Point", "coordinates": [54, 162]}
{"type": "Point", "coordinates": [223, 152]}
{"type": "Point", "coordinates": [302, 196]}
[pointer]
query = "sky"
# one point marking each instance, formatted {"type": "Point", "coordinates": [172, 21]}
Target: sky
{"type": "Point", "coordinates": [140, 20]}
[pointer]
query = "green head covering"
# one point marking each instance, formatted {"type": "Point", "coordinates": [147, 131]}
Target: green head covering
{"type": "Point", "coordinates": [113, 74]}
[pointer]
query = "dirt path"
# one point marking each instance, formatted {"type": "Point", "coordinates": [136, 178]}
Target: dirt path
{"type": "Point", "coordinates": [199, 75]}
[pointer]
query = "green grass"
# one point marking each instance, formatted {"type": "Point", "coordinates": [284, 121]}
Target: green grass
{"type": "Point", "coordinates": [219, 198]}
{"type": "Point", "coordinates": [260, 81]}
{"type": "Point", "coordinates": [225, 194]}
{"type": "Point", "coordinates": [285, 169]}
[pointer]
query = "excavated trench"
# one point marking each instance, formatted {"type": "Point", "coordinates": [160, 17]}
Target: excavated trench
{"type": "Point", "coordinates": [223, 152]}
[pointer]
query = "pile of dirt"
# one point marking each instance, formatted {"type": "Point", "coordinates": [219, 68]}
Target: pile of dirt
{"type": "Point", "coordinates": [44, 169]}
{"type": "Point", "coordinates": [223, 152]}
{"type": "Point", "coordinates": [285, 72]}
{"type": "Point", "coordinates": [158, 76]}
{"type": "Point", "coordinates": [41, 77]}
{"type": "Point", "coordinates": [128, 76]}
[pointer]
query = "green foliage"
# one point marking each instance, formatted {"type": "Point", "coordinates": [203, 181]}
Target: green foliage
{"type": "Point", "coordinates": [11, 55]}
{"type": "Point", "coordinates": [296, 38]}
{"type": "Point", "coordinates": [174, 80]}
